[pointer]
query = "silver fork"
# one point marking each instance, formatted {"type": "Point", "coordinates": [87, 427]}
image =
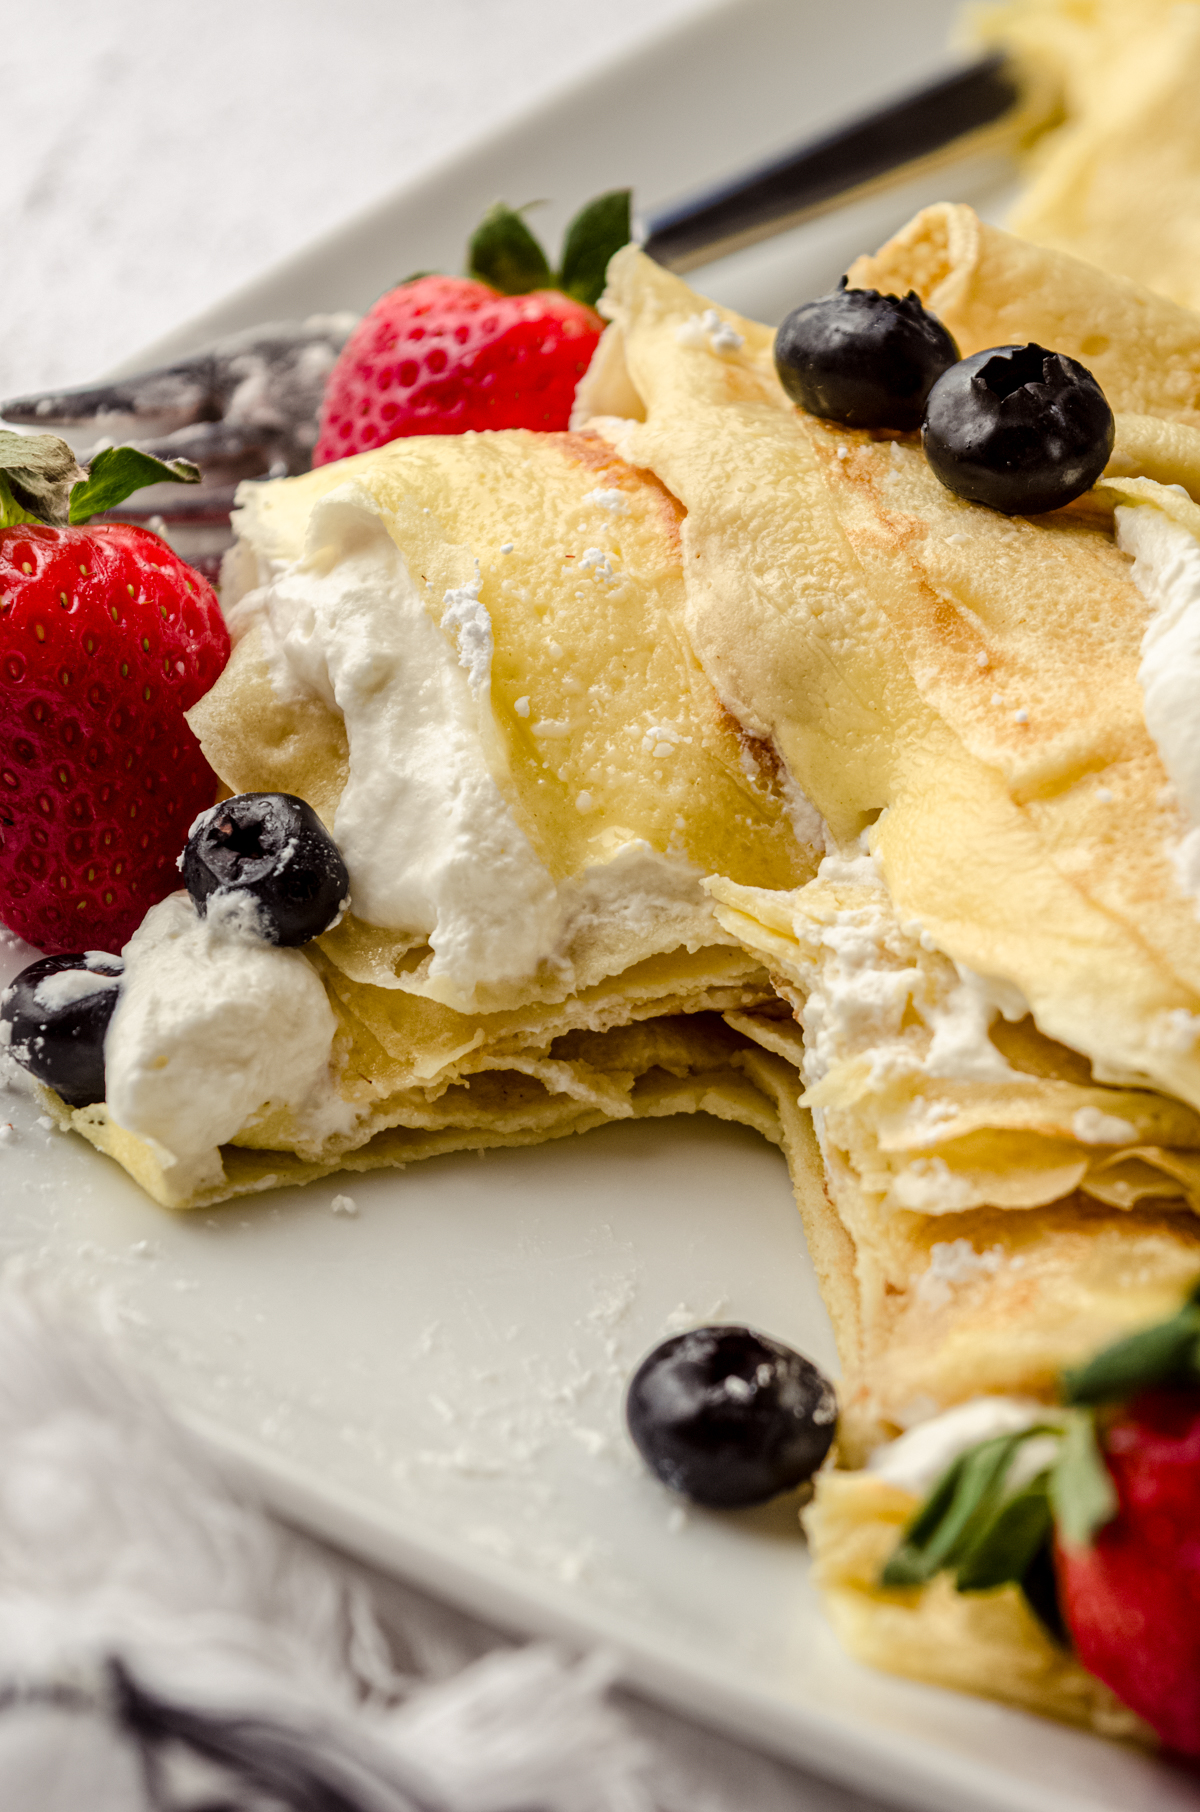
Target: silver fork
{"type": "Point", "coordinates": [243, 407]}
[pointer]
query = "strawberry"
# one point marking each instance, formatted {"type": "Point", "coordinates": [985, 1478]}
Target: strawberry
{"type": "Point", "coordinates": [503, 347]}
{"type": "Point", "coordinates": [445, 354]}
{"type": "Point", "coordinates": [1104, 1538]}
{"type": "Point", "coordinates": [106, 638]}
{"type": "Point", "coordinates": [1132, 1597]}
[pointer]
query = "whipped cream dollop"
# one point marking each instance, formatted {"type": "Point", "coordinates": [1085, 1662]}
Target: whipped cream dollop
{"type": "Point", "coordinates": [917, 1459]}
{"type": "Point", "coordinates": [430, 841]}
{"type": "Point", "coordinates": [882, 991]}
{"type": "Point", "coordinates": [211, 1028]}
{"type": "Point", "coordinates": [1166, 570]}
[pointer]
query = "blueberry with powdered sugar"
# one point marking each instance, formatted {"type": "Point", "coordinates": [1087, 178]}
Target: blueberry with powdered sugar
{"type": "Point", "coordinates": [728, 1417]}
{"type": "Point", "coordinates": [53, 1019]}
{"type": "Point", "coordinates": [270, 862]}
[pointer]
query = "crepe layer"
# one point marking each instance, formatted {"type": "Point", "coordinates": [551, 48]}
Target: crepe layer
{"type": "Point", "coordinates": [616, 761]}
{"type": "Point", "coordinates": [996, 954]}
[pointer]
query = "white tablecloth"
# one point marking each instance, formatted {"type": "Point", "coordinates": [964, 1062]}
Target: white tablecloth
{"type": "Point", "coordinates": [160, 154]}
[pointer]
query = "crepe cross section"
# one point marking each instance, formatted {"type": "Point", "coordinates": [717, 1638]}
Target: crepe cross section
{"type": "Point", "coordinates": [714, 757]}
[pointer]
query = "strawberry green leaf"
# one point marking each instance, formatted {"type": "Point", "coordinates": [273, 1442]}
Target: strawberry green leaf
{"type": "Point", "coordinates": [37, 472]}
{"type": "Point", "coordinates": [972, 1525]}
{"type": "Point", "coordinates": [1082, 1493]}
{"type": "Point", "coordinates": [1006, 1549]}
{"type": "Point", "coordinates": [504, 253]}
{"type": "Point", "coordinates": [116, 472]}
{"type": "Point", "coordinates": [1039, 1584]}
{"type": "Point", "coordinates": [597, 231]}
{"type": "Point", "coordinates": [1166, 1354]}
{"type": "Point", "coordinates": [957, 1512]}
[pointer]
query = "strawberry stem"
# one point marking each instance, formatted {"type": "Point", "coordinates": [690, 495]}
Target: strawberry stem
{"type": "Point", "coordinates": [116, 472]}
{"type": "Point", "coordinates": [504, 253]}
{"type": "Point", "coordinates": [37, 472]}
{"type": "Point", "coordinates": [597, 231]}
{"type": "Point", "coordinates": [1082, 1494]}
{"type": "Point", "coordinates": [42, 481]}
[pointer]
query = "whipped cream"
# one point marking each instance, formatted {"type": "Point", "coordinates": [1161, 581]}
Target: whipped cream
{"type": "Point", "coordinates": [1092, 1126]}
{"type": "Point", "coordinates": [639, 891]}
{"type": "Point", "coordinates": [1166, 570]}
{"type": "Point", "coordinates": [211, 1028]}
{"type": "Point", "coordinates": [956, 1261]}
{"type": "Point", "coordinates": [878, 989]}
{"type": "Point", "coordinates": [54, 992]}
{"type": "Point", "coordinates": [431, 843]}
{"type": "Point", "coordinates": [917, 1459]}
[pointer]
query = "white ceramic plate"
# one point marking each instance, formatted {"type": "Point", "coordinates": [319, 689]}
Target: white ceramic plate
{"type": "Point", "coordinates": [436, 1380]}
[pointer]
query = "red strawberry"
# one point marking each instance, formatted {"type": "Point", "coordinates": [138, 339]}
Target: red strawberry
{"type": "Point", "coordinates": [1132, 1598]}
{"type": "Point", "coordinates": [106, 638]}
{"type": "Point", "coordinates": [502, 348]}
{"type": "Point", "coordinates": [445, 354]}
{"type": "Point", "coordinates": [1107, 1536]}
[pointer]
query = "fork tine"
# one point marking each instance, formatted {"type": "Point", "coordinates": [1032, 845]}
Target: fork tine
{"type": "Point", "coordinates": [271, 377]}
{"type": "Point", "coordinates": [170, 396]}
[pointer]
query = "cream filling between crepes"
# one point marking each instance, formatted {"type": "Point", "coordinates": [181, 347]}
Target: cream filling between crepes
{"type": "Point", "coordinates": [880, 1002]}
{"type": "Point", "coordinates": [908, 1078]}
{"type": "Point", "coordinates": [213, 1028]}
{"type": "Point", "coordinates": [882, 999]}
{"type": "Point", "coordinates": [884, 994]}
{"type": "Point", "coordinates": [431, 843]}
{"type": "Point", "coordinates": [917, 1459]}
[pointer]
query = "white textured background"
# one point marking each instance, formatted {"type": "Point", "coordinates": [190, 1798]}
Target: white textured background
{"type": "Point", "coordinates": [159, 154]}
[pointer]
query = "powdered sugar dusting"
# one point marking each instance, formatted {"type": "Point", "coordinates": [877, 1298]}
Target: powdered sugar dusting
{"type": "Point", "coordinates": [709, 331]}
{"type": "Point", "coordinates": [467, 618]}
{"type": "Point", "coordinates": [615, 502]}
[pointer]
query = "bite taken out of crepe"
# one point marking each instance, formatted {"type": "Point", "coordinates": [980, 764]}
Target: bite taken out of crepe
{"type": "Point", "coordinates": [960, 688]}
{"type": "Point", "coordinates": [995, 974]}
{"type": "Point", "coordinates": [561, 965]}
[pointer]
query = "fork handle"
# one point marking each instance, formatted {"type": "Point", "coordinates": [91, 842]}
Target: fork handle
{"type": "Point", "coordinates": [925, 126]}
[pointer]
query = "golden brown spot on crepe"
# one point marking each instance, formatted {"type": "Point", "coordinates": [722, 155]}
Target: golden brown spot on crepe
{"type": "Point", "coordinates": [595, 453]}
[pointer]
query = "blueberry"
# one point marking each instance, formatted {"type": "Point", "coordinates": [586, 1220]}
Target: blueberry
{"type": "Point", "coordinates": [729, 1417]}
{"type": "Point", "coordinates": [1018, 428]}
{"type": "Point", "coordinates": [56, 1013]}
{"type": "Point", "coordinates": [271, 851]}
{"type": "Point", "coordinates": [863, 359]}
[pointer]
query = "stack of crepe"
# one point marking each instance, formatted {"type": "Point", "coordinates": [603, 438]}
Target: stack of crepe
{"type": "Point", "coordinates": [728, 636]}
{"type": "Point", "coordinates": [995, 973]}
{"type": "Point", "coordinates": [590, 737]}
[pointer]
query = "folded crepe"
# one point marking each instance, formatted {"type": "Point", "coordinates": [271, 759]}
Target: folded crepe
{"type": "Point", "coordinates": [466, 654]}
{"type": "Point", "coordinates": [1117, 181]}
{"type": "Point", "coordinates": [995, 973]}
